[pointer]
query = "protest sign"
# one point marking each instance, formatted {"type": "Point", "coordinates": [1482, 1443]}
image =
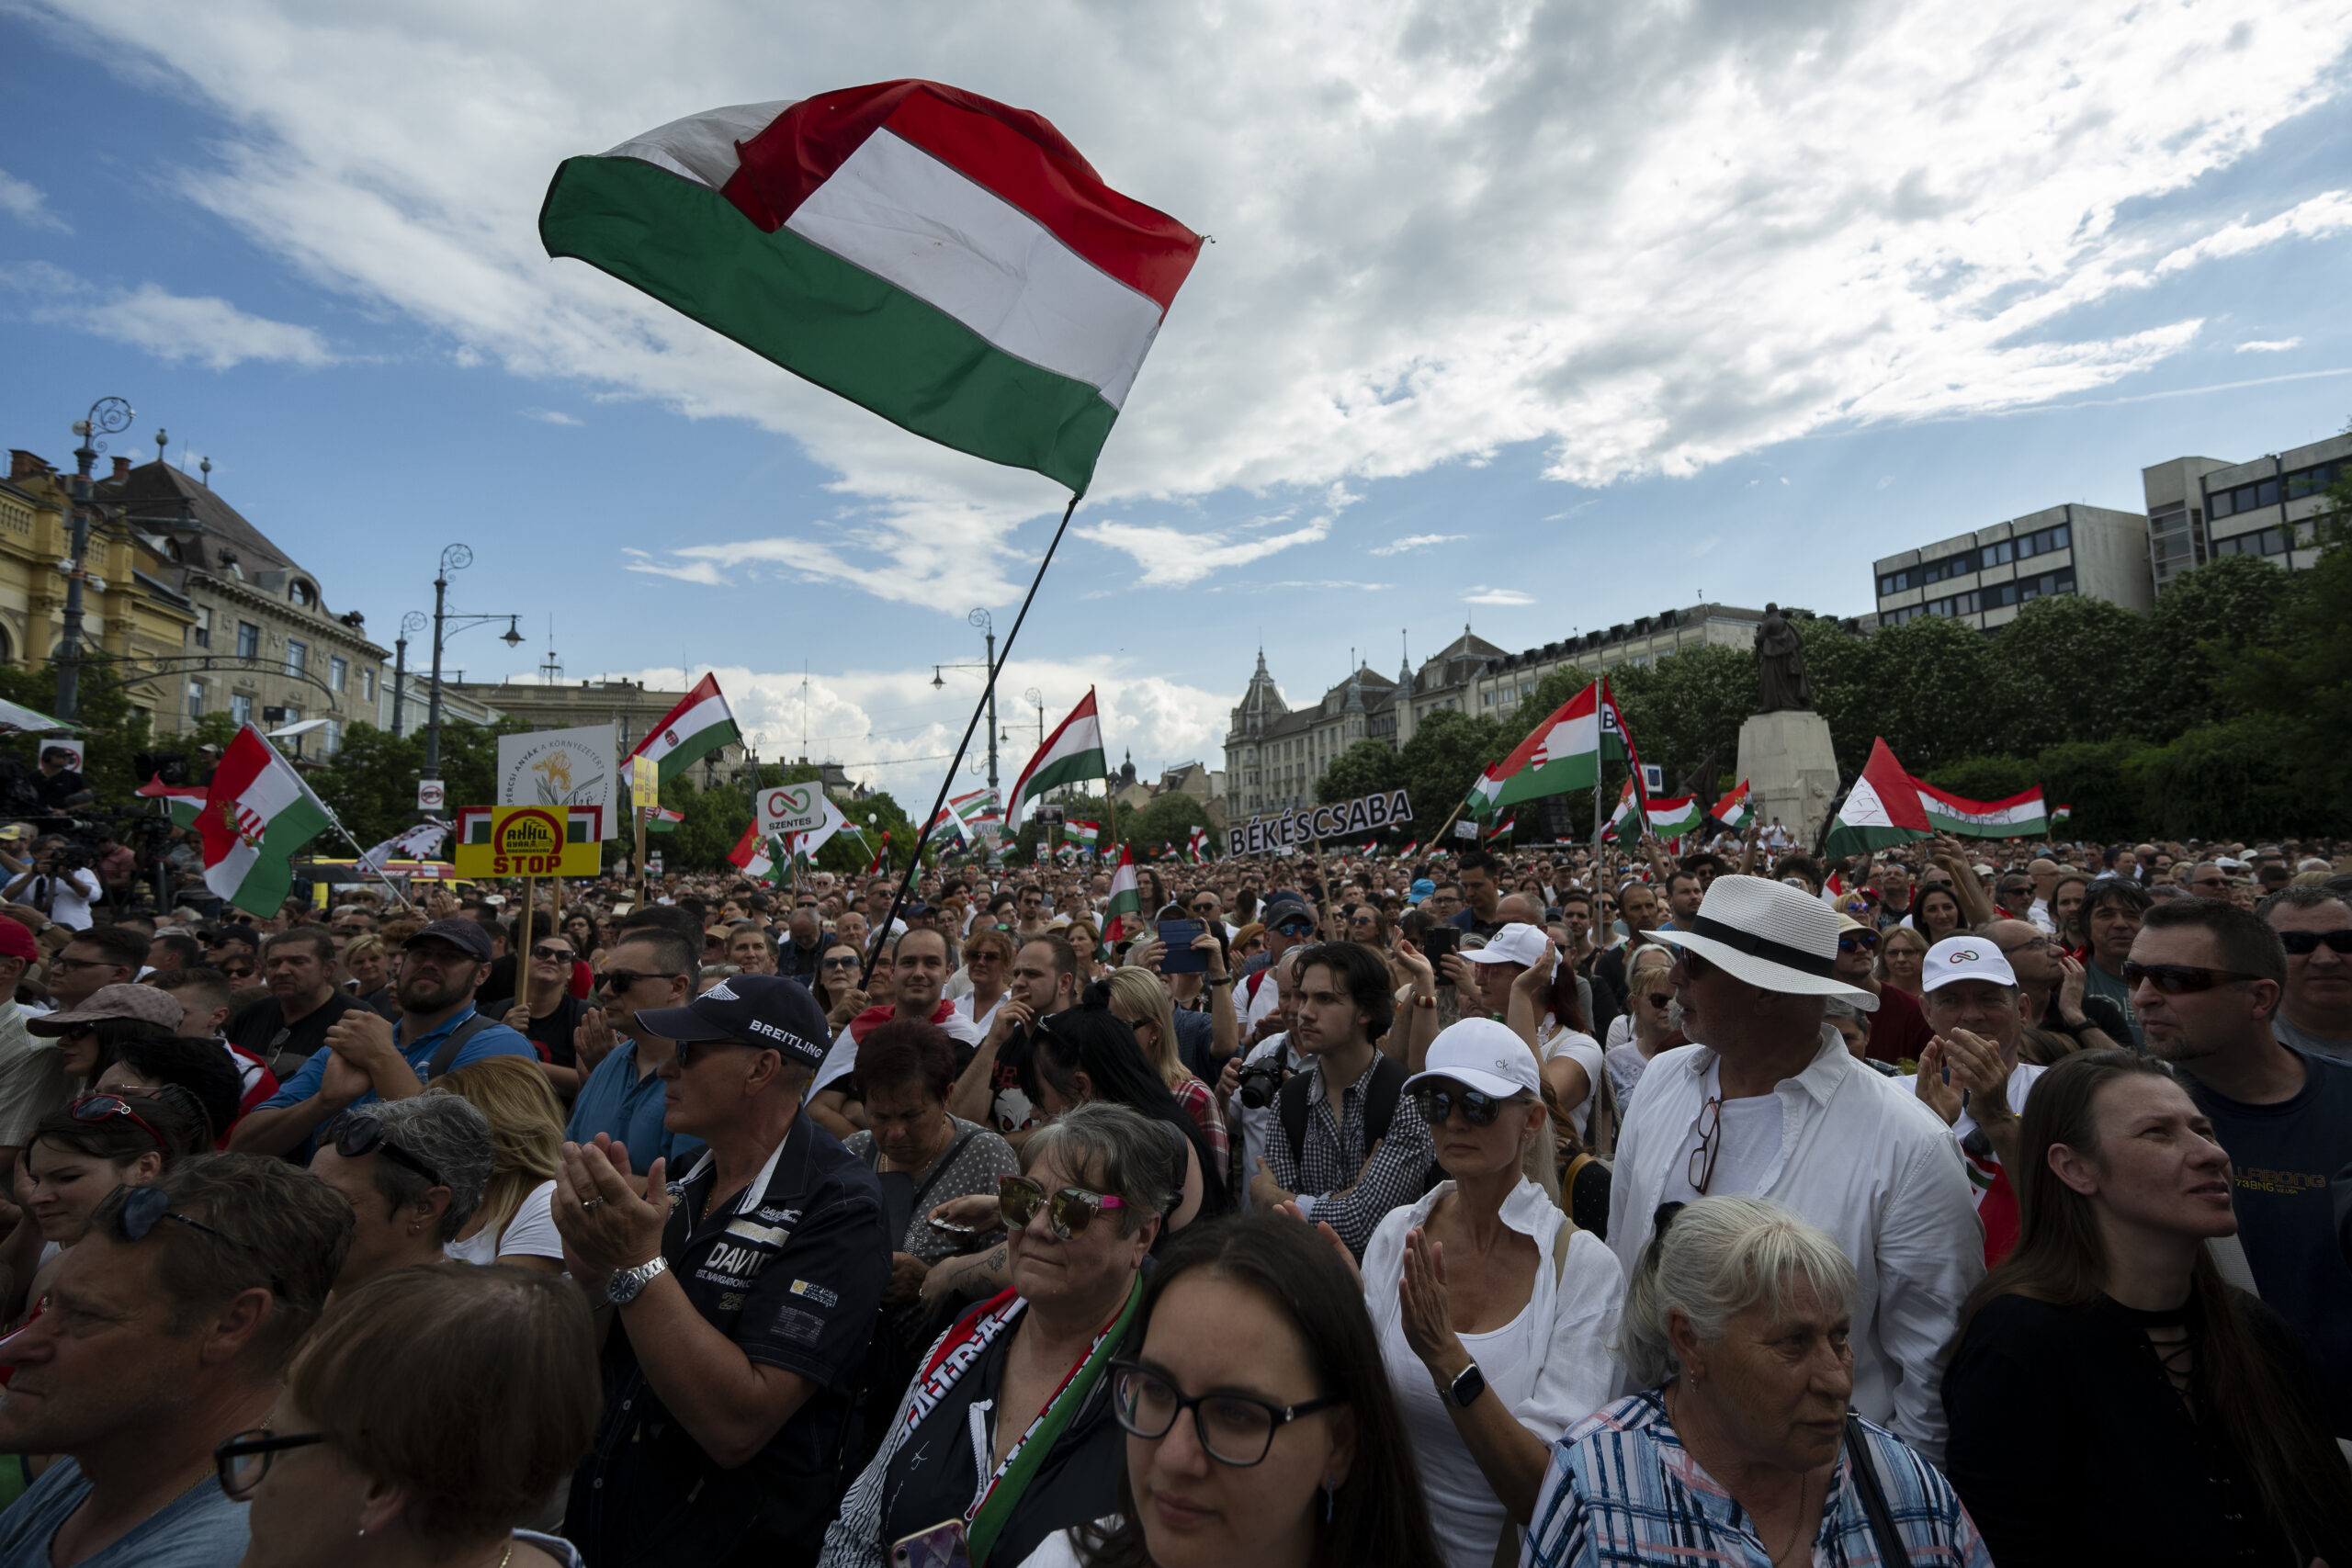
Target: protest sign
{"type": "Point", "coordinates": [794, 808]}
{"type": "Point", "coordinates": [1288, 830]}
{"type": "Point", "coordinates": [528, 840]}
{"type": "Point", "coordinates": [559, 767]}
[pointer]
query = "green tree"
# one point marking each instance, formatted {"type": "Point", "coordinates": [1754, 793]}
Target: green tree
{"type": "Point", "coordinates": [112, 734]}
{"type": "Point", "coordinates": [2055, 670]}
{"type": "Point", "coordinates": [1368, 767]}
{"type": "Point", "coordinates": [1166, 824]}
{"type": "Point", "coordinates": [1685, 711]}
{"type": "Point", "coordinates": [2201, 623]}
{"type": "Point", "coordinates": [2304, 676]}
{"type": "Point", "coordinates": [1987, 778]}
{"type": "Point", "coordinates": [2096, 778]}
{"type": "Point", "coordinates": [1448, 750]}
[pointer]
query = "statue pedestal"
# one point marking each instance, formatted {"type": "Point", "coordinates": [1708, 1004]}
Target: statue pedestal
{"type": "Point", "coordinates": [1791, 769]}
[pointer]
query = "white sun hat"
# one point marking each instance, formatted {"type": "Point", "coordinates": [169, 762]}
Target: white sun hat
{"type": "Point", "coordinates": [1774, 938]}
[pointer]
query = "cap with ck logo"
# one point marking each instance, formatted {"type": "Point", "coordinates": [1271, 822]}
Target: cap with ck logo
{"type": "Point", "coordinates": [1965, 958]}
{"type": "Point", "coordinates": [1480, 1053]}
{"type": "Point", "coordinates": [752, 1010]}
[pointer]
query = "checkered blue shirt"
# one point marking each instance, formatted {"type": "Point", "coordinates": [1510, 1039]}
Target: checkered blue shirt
{"type": "Point", "coordinates": [1622, 1491]}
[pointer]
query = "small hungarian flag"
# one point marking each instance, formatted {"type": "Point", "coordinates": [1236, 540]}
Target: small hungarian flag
{"type": "Point", "coordinates": [750, 854]}
{"type": "Point", "coordinates": [1483, 790]}
{"type": "Point", "coordinates": [944, 826]}
{"type": "Point", "coordinates": [1670, 817]}
{"type": "Point", "coordinates": [881, 855]}
{"type": "Point", "coordinates": [1626, 823]}
{"type": "Point", "coordinates": [257, 814]}
{"type": "Point", "coordinates": [1127, 894]}
{"type": "Point", "coordinates": [946, 261]}
{"type": "Point", "coordinates": [2019, 816]}
{"type": "Point", "coordinates": [185, 802]}
{"type": "Point", "coordinates": [2059, 814]}
{"type": "Point", "coordinates": [1561, 753]}
{"type": "Point", "coordinates": [1733, 810]}
{"type": "Point", "coordinates": [1197, 841]}
{"type": "Point", "coordinates": [1071, 754]}
{"type": "Point", "coordinates": [416, 843]}
{"type": "Point", "coordinates": [1085, 833]}
{"type": "Point", "coordinates": [1503, 828]}
{"type": "Point", "coordinates": [1882, 808]}
{"type": "Point", "coordinates": [662, 820]}
{"type": "Point", "coordinates": [699, 725]}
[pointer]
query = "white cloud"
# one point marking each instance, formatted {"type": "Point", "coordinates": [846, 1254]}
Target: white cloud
{"type": "Point", "coordinates": [1417, 542]}
{"type": "Point", "coordinates": [170, 326]}
{"type": "Point", "coordinates": [1649, 239]}
{"type": "Point", "coordinates": [1172, 558]}
{"type": "Point", "coordinates": [1485, 596]}
{"type": "Point", "coordinates": [549, 416]}
{"type": "Point", "coordinates": [2269, 345]}
{"type": "Point", "coordinates": [28, 205]}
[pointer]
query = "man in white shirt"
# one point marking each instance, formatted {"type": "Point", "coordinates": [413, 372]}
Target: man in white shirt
{"type": "Point", "coordinates": [65, 897]}
{"type": "Point", "coordinates": [1970, 1075]}
{"type": "Point", "coordinates": [1770, 1103]}
{"type": "Point", "coordinates": [917, 968]}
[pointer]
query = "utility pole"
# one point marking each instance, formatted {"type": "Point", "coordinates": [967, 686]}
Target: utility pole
{"type": "Point", "coordinates": [106, 416]}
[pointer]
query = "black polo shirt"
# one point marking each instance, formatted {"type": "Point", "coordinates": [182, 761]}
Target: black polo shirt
{"type": "Point", "coordinates": [792, 1271]}
{"type": "Point", "coordinates": [261, 1028]}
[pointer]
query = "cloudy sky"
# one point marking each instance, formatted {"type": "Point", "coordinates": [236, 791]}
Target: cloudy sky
{"type": "Point", "coordinates": [1532, 316]}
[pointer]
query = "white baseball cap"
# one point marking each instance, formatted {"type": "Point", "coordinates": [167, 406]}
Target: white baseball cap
{"type": "Point", "coordinates": [1517, 942]}
{"type": "Point", "coordinates": [1480, 1053]}
{"type": "Point", "coordinates": [1965, 958]}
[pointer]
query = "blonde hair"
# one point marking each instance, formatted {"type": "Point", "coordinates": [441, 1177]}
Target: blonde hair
{"type": "Point", "coordinates": [1138, 993]}
{"type": "Point", "coordinates": [525, 1129]}
{"type": "Point", "coordinates": [361, 946]}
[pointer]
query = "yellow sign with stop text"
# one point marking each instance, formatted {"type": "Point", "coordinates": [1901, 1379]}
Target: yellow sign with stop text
{"type": "Point", "coordinates": [529, 840]}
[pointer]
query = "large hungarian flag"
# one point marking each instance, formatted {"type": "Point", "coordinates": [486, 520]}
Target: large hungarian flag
{"type": "Point", "coordinates": [699, 725]}
{"type": "Point", "coordinates": [946, 261]}
{"type": "Point", "coordinates": [185, 802]}
{"type": "Point", "coordinates": [257, 814]}
{"type": "Point", "coordinates": [1882, 808]}
{"type": "Point", "coordinates": [2019, 816]}
{"type": "Point", "coordinates": [1071, 754]}
{"type": "Point", "coordinates": [1565, 752]}
{"type": "Point", "coordinates": [1127, 894]}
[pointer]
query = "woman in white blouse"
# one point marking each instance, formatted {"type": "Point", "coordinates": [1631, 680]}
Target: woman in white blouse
{"type": "Point", "coordinates": [515, 1223]}
{"type": "Point", "coordinates": [1494, 1312]}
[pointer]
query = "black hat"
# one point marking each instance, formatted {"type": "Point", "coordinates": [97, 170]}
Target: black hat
{"type": "Point", "coordinates": [751, 1009]}
{"type": "Point", "coordinates": [467, 936]}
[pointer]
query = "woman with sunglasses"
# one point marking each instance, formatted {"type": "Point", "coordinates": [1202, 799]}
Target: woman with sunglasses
{"type": "Point", "coordinates": [413, 1171]}
{"type": "Point", "coordinates": [74, 1159]}
{"type": "Point", "coordinates": [836, 990]}
{"type": "Point", "coordinates": [1023, 1378]}
{"type": "Point", "coordinates": [2108, 1349]}
{"type": "Point", "coordinates": [1086, 1056]}
{"type": "Point", "coordinates": [1261, 1432]}
{"type": "Point", "coordinates": [552, 1015]}
{"type": "Point", "coordinates": [1493, 1311]}
{"type": "Point", "coordinates": [1901, 953]}
{"type": "Point", "coordinates": [1651, 1023]}
{"type": "Point", "coordinates": [90, 1035]}
{"type": "Point", "coordinates": [987, 965]}
{"type": "Point", "coordinates": [425, 1422]}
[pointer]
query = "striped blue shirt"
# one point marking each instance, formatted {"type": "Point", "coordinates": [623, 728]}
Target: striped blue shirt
{"type": "Point", "coordinates": [1621, 1491]}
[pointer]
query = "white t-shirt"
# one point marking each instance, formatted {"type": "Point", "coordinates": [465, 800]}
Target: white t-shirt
{"type": "Point", "coordinates": [1255, 1124]}
{"type": "Point", "coordinates": [529, 1232]}
{"type": "Point", "coordinates": [71, 894]}
{"type": "Point", "coordinates": [1746, 1146]}
{"type": "Point", "coordinates": [841, 1060]}
{"type": "Point", "coordinates": [1584, 1052]}
{"type": "Point", "coordinates": [964, 1007]}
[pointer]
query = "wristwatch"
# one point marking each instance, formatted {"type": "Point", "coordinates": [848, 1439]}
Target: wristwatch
{"type": "Point", "coordinates": [1464, 1390]}
{"type": "Point", "coordinates": [627, 1284]}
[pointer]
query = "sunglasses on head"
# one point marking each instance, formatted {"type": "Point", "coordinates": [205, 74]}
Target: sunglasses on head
{"type": "Point", "coordinates": [2179, 979]}
{"type": "Point", "coordinates": [353, 1136]}
{"type": "Point", "coordinates": [2300, 944]}
{"type": "Point", "coordinates": [1069, 1211]}
{"type": "Point", "coordinates": [144, 1208]}
{"type": "Point", "coordinates": [98, 1107]}
{"type": "Point", "coordinates": [1438, 1104]}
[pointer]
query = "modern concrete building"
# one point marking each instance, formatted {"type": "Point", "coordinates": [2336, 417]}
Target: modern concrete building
{"type": "Point", "coordinates": [1982, 577]}
{"type": "Point", "coordinates": [2203, 508]}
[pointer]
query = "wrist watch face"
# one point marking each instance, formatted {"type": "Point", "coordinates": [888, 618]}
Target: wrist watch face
{"type": "Point", "coordinates": [1467, 1387]}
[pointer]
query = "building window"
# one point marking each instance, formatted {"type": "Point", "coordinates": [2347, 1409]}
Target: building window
{"type": "Point", "coordinates": [330, 738]}
{"type": "Point", "coordinates": [248, 640]}
{"type": "Point", "coordinates": [2044, 540]}
{"type": "Point", "coordinates": [338, 672]}
{"type": "Point", "coordinates": [366, 685]}
{"type": "Point", "coordinates": [298, 657]}
{"type": "Point", "coordinates": [2270, 541]}
{"type": "Point", "coordinates": [241, 708]}
{"type": "Point", "coordinates": [195, 699]}
{"type": "Point", "coordinates": [201, 633]}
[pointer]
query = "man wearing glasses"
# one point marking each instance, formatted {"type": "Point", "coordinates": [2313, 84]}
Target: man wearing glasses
{"type": "Point", "coordinates": [738, 1296]}
{"type": "Point", "coordinates": [2057, 1000]}
{"type": "Point", "coordinates": [1769, 1102]}
{"type": "Point", "coordinates": [1898, 1026]}
{"type": "Point", "coordinates": [368, 1058]}
{"type": "Point", "coordinates": [2314, 924]}
{"type": "Point", "coordinates": [648, 967]}
{"type": "Point", "coordinates": [2205, 979]}
{"type": "Point", "coordinates": [168, 1327]}
{"type": "Point", "coordinates": [804, 944]}
{"type": "Point", "coordinates": [1289, 923]}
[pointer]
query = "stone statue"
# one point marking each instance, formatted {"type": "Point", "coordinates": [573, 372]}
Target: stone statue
{"type": "Point", "coordinates": [1780, 664]}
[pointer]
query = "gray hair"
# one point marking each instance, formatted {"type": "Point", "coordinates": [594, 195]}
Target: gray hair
{"type": "Point", "coordinates": [441, 1131]}
{"type": "Point", "coordinates": [1836, 1006]}
{"type": "Point", "coordinates": [2309, 896]}
{"type": "Point", "coordinates": [1128, 1153]}
{"type": "Point", "coordinates": [1713, 1261]}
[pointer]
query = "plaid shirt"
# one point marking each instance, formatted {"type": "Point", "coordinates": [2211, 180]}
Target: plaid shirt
{"type": "Point", "coordinates": [1622, 1491]}
{"type": "Point", "coordinates": [1332, 1177]}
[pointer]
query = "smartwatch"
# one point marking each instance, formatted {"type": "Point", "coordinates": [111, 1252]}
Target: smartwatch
{"type": "Point", "coordinates": [627, 1284]}
{"type": "Point", "coordinates": [1464, 1390]}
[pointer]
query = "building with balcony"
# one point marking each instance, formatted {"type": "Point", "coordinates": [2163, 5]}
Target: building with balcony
{"type": "Point", "coordinates": [1982, 577]}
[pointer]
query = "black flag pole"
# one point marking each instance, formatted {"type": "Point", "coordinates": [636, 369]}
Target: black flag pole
{"type": "Point", "coordinates": [922, 834]}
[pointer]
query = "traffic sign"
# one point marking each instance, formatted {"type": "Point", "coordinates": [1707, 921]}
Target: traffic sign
{"type": "Point", "coordinates": [430, 794]}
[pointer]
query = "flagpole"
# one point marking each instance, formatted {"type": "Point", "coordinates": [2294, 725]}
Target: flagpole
{"type": "Point", "coordinates": [947, 781]}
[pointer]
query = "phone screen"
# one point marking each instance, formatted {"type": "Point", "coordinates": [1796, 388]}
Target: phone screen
{"type": "Point", "coordinates": [1176, 938]}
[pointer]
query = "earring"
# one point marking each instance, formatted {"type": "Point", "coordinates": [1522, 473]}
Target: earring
{"type": "Point", "coordinates": [1330, 1490]}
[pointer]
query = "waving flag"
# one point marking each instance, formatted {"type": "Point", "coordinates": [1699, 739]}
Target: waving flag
{"type": "Point", "coordinates": [881, 854]}
{"type": "Point", "coordinates": [699, 725]}
{"type": "Point", "coordinates": [1733, 810]}
{"type": "Point", "coordinates": [750, 854]}
{"type": "Point", "coordinates": [1503, 828]}
{"type": "Point", "coordinates": [1197, 843]}
{"type": "Point", "coordinates": [185, 802]}
{"type": "Point", "coordinates": [1127, 894]}
{"type": "Point", "coordinates": [945, 261]}
{"type": "Point", "coordinates": [257, 814]}
{"type": "Point", "coordinates": [1561, 753]}
{"type": "Point", "coordinates": [1670, 817]}
{"type": "Point", "coordinates": [662, 820]}
{"type": "Point", "coordinates": [414, 844]}
{"type": "Point", "coordinates": [1071, 754]}
{"type": "Point", "coordinates": [1882, 808]}
{"type": "Point", "coordinates": [2019, 816]}
{"type": "Point", "coordinates": [944, 826]}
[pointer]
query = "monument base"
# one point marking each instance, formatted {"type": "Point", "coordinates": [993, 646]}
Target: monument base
{"type": "Point", "coordinates": [1791, 769]}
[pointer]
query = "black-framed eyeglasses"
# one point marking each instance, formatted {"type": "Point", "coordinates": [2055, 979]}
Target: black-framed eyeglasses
{"type": "Point", "coordinates": [1864, 941]}
{"type": "Point", "coordinates": [1236, 1430]}
{"type": "Point", "coordinates": [1437, 1104]}
{"type": "Point", "coordinates": [1711, 1143]}
{"type": "Point", "coordinates": [244, 1458]}
{"type": "Point", "coordinates": [353, 1136]}
{"type": "Point", "coordinates": [98, 1107]}
{"type": "Point", "coordinates": [2303, 944]}
{"type": "Point", "coordinates": [2179, 979]}
{"type": "Point", "coordinates": [61, 963]}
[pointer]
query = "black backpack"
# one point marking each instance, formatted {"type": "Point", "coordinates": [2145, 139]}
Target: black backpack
{"type": "Point", "coordinates": [1380, 1097]}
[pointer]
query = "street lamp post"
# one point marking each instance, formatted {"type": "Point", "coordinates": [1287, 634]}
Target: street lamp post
{"type": "Point", "coordinates": [456, 557]}
{"type": "Point", "coordinates": [411, 624]}
{"type": "Point", "coordinates": [981, 619]}
{"type": "Point", "coordinates": [106, 416]}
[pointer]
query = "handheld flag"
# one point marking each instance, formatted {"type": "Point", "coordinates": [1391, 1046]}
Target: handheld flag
{"type": "Point", "coordinates": [750, 854]}
{"type": "Point", "coordinates": [2019, 816]}
{"type": "Point", "coordinates": [1503, 828]}
{"type": "Point", "coordinates": [699, 725]}
{"type": "Point", "coordinates": [1127, 894]}
{"type": "Point", "coordinates": [2061, 814]}
{"type": "Point", "coordinates": [416, 843]}
{"type": "Point", "coordinates": [257, 814]}
{"type": "Point", "coordinates": [1733, 810]}
{"type": "Point", "coordinates": [881, 855]}
{"type": "Point", "coordinates": [662, 820]}
{"type": "Point", "coordinates": [1071, 754]}
{"type": "Point", "coordinates": [184, 802]}
{"type": "Point", "coordinates": [1882, 808]}
{"type": "Point", "coordinates": [947, 262]}
{"type": "Point", "coordinates": [1670, 817]}
{"type": "Point", "coordinates": [1197, 843]}
{"type": "Point", "coordinates": [1561, 753]}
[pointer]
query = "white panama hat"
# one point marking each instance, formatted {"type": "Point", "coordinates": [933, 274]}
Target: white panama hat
{"type": "Point", "coordinates": [1774, 938]}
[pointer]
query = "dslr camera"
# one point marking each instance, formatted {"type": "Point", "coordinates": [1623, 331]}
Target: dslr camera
{"type": "Point", "coordinates": [1261, 1081]}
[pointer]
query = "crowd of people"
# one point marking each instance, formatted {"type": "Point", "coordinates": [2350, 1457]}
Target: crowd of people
{"type": "Point", "coordinates": [1983, 1204]}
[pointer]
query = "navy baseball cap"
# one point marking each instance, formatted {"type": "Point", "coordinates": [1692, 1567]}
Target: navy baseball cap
{"type": "Point", "coordinates": [467, 936]}
{"type": "Point", "coordinates": [765, 1011]}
